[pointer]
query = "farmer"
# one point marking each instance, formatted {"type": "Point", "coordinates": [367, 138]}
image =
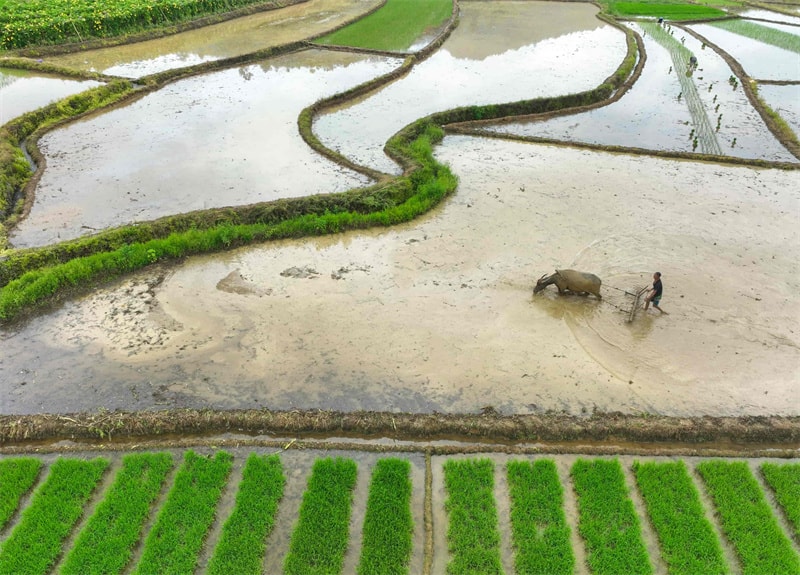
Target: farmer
{"type": "Point", "coordinates": [692, 61]}
{"type": "Point", "coordinates": [655, 294]}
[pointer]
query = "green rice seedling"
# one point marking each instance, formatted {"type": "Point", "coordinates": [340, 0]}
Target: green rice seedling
{"type": "Point", "coordinates": [538, 525]}
{"type": "Point", "coordinates": [174, 542]}
{"type": "Point", "coordinates": [35, 543]}
{"type": "Point", "coordinates": [243, 542]}
{"type": "Point", "coordinates": [105, 544]}
{"type": "Point", "coordinates": [472, 538]}
{"type": "Point", "coordinates": [394, 27]}
{"type": "Point", "coordinates": [319, 540]}
{"type": "Point", "coordinates": [687, 539]}
{"type": "Point", "coordinates": [747, 519]}
{"type": "Point", "coordinates": [607, 520]}
{"type": "Point", "coordinates": [388, 526]}
{"type": "Point", "coordinates": [762, 33]}
{"type": "Point", "coordinates": [668, 11]}
{"type": "Point", "coordinates": [785, 482]}
{"type": "Point", "coordinates": [16, 478]}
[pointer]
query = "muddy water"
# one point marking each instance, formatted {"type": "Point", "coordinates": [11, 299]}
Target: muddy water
{"type": "Point", "coordinates": [785, 100]}
{"type": "Point", "coordinates": [228, 138]}
{"type": "Point", "coordinates": [759, 60]}
{"type": "Point", "coordinates": [500, 52]}
{"type": "Point", "coordinates": [654, 113]}
{"type": "Point", "coordinates": [224, 40]}
{"type": "Point", "coordinates": [22, 91]}
{"type": "Point", "coordinates": [439, 315]}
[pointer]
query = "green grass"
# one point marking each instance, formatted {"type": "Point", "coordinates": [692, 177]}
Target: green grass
{"type": "Point", "coordinates": [16, 478]}
{"type": "Point", "coordinates": [668, 11]}
{"type": "Point", "coordinates": [762, 33]}
{"type": "Point", "coordinates": [607, 520]}
{"type": "Point", "coordinates": [174, 542]}
{"type": "Point", "coordinates": [388, 526]}
{"type": "Point", "coordinates": [319, 540]}
{"type": "Point", "coordinates": [473, 539]}
{"type": "Point", "coordinates": [33, 22]}
{"type": "Point", "coordinates": [105, 544]}
{"type": "Point", "coordinates": [34, 545]}
{"type": "Point", "coordinates": [687, 539]}
{"type": "Point", "coordinates": [394, 27]}
{"type": "Point", "coordinates": [747, 519]}
{"type": "Point", "coordinates": [785, 482]}
{"type": "Point", "coordinates": [539, 528]}
{"type": "Point", "coordinates": [243, 542]}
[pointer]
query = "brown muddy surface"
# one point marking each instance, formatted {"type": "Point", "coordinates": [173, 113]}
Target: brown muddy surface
{"type": "Point", "coordinates": [654, 113]}
{"type": "Point", "coordinates": [500, 52]}
{"type": "Point", "coordinates": [221, 139]}
{"type": "Point", "coordinates": [224, 40]}
{"type": "Point", "coordinates": [22, 91]}
{"type": "Point", "coordinates": [439, 315]}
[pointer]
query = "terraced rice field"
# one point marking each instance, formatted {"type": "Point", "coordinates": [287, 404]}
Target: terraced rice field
{"type": "Point", "coordinates": [269, 511]}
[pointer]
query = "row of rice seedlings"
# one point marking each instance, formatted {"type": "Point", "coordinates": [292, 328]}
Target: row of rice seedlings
{"type": "Point", "coordinates": [539, 528]}
{"type": "Point", "coordinates": [764, 34]}
{"type": "Point", "coordinates": [105, 545]}
{"type": "Point", "coordinates": [174, 542]}
{"type": "Point", "coordinates": [388, 526]}
{"type": "Point", "coordinates": [243, 543]}
{"type": "Point", "coordinates": [607, 520]}
{"type": "Point", "coordinates": [747, 519]}
{"type": "Point", "coordinates": [785, 482]}
{"type": "Point", "coordinates": [35, 543]}
{"type": "Point", "coordinates": [319, 540]}
{"type": "Point", "coordinates": [394, 27]}
{"type": "Point", "coordinates": [666, 10]}
{"type": "Point", "coordinates": [687, 539]}
{"type": "Point", "coordinates": [16, 478]}
{"type": "Point", "coordinates": [472, 537]}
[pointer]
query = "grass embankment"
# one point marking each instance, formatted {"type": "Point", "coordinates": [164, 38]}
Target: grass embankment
{"type": "Point", "coordinates": [37, 22]}
{"type": "Point", "coordinates": [762, 33]}
{"type": "Point", "coordinates": [319, 540]}
{"type": "Point", "coordinates": [105, 545]}
{"type": "Point", "coordinates": [687, 539]}
{"type": "Point", "coordinates": [785, 482]}
{"type": "Point", "coordinates": [243, 542]}
{"type": "Point", "coordinates": [747, 519]}
{"type": "Point", "coordinates": [472, 538]}
{"type": "Point", "coordinates": [16, 478]}
{"type": "Point", "coordinates": [429, 185]}
{"type": "Point", "coordinates": [35, 543]}
{"type": "Point", "coordinates": [174, 542]}
{"type": "Point", "coordinates": [539, 528]}
{"type": "Point", "coordinates": [668, 11]}
{"type": "Point", "coordinates": [607, 520]}
{"type": "Point", "coordinates": [388, 526]}
{"type": "Point", "coordinates": [394, 27]}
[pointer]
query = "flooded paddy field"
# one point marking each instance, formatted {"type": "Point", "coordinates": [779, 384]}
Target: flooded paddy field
{"type": "Point", "coordinates": [221, 139]}
{"type": "Point", "coordinates": [770, 15]}
{"type": "Point", "coordinates": [785, 100]}
{"type": "Point", "coordinates": [23, 91]}
{"type": "Point", "coordinates": [439, 314]}
{"type": "Point", "coordinates": [655, 113]}
{"type": "Point", "coordinates": [490, 58]}
{"type": "Point", "coordinates": [224, 40]}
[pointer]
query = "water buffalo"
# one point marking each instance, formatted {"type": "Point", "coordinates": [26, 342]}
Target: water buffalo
{"type": "Point", "coordinates": [571, 281]}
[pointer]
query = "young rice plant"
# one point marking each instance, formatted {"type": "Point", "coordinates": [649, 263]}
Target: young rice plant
{"type": "Point", "coordinates": [785, 482]}
{"type": "Point", "coordinates": [16, 478]}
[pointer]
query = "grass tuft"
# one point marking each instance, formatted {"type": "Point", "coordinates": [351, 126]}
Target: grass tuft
{"type": "Point", "coordinates": [241, 548]}
{"type": "Point", "coordinates": [539, 527]}
{"type": "Point", "coordinates": [34, 545]}
{"type": "Point", "coordinates": [747, 519]}
{"type": "Point", "coordinates": [473, 538]}
{"type": "Point", "coordinates": [607, 520]}
{"type": "Point", "coordinates": [16, 478]}
{"type": "Point", "coordinates": [174, 542]}
{"type": "Point", "coordinates": [105, 544]}
{"type": "Point", "coordinates": [319, 540]}
{"type": "Point", "coordinates": [687, 539]}
{"type": "Point", "coordinates": [785, 482]}
{"type": "Point", "coordinates": [388, 526]}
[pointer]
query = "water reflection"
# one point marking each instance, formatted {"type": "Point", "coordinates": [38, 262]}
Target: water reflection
{"type": "Point", "coordinates": [23, 91]}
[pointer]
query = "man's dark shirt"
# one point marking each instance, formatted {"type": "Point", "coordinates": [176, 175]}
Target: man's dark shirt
{"type": "Point", "coordinates": [658, 288]}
